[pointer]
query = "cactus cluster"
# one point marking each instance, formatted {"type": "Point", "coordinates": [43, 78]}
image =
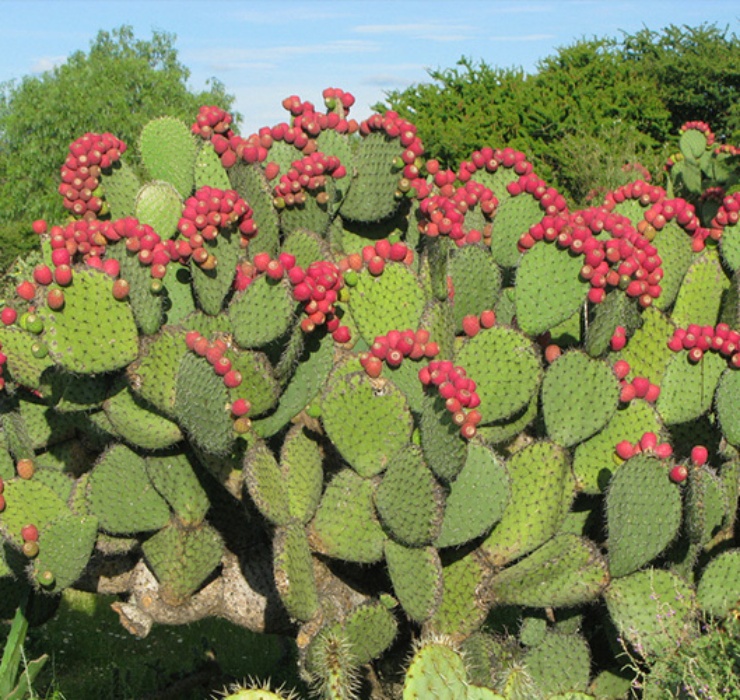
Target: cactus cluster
{"type": "Point", "coordinates": [310, 382]}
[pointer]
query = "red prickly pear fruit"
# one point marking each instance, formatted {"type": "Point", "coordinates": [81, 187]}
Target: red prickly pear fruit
{"type": "Point", "coordinates": [191, 337]}
{"type": "Point", "coordinates": [201, 346]}
{"type": "Point", "coordinates": [617, 342]}
{"type": "Point", "coordinates": [458, 418]}
{"type": "Point", "coordinates": [678, 473]}
{"type": "Point", "coordinates": [453, 405]}
{"type": "Point", "coordinates": [275, 270]}
{"type": "Point", "coordinates": [2, 503]}
{"type": "Point", "coordinates": [663, 450]}
{"type": "Point", "coordinates": [240, 407]}
{"type": "Point", "coordinates": [648, 441]}
{"type": "Point", "coordinates": [25, 468]}
{"type": "Point", "coordinates": [271, 170]}
{"type": "Point", "coordinates": [214, 353]}
{"type": "Point", "coordinates": [652, 394]}
{"type": "Point", "coordinates": [625, 449]}
{"type": "Point", "coordinates": [431, 350]}
{"type": "Point", "coordinates": [55, 299]}
{"type": "Point", "coordinates": [232, 379]}
{"type": "Point", "coordinates": [111, 267]}
{"type": "Point", "coordinates": [627, 393]}
{"type": "Point", "coordinates": [30, 533]}
{"type": "Point", "coordinates": [287, 260]}
{"type": "Point", "coordinates": [261, 261]}
{"type": "Point", "coordinates": [63, 275]}
{"type": "Point", "coordinates": [487, 318]}
{"type": "Point", "coordinates": [383, 248]}
{"type": "Point", "coordinates": [675, 344]}
{"type": "Point", "coordinates": [222, 366]}
{"type": "Point", "coordinates": [296, 275]}
{"type": "Point", "coordinates": [373, 367]}
{"type": "Point", "coordinates": [552, 352]}
{"type": "Point", "coordinates": [30, 549]}
{"type": "Point", "coordinates": [302, 292]}
{"type": "Point", "coordinates": [471, 325]}
{"type": "Point", "coordinates": [26, 290]}
{"type": "Point", "coordinates": [8, 316]}
{"type": "Point", "coordinates": [398, 252]}
{"type": "Point", "coordinates": [376, 265]}
{"type": "Point", "coordinates": [596, 295]}
{"type": "Point", "coordinates": [42, 275]}
{"type": "Point", "coordinates": [641, 384]}
{"type": "Point", "coordinates": [447, 390]}
{"type": "Point", "coordinates": [39, 226]}
{"type": "Point", "coordinates": [121, 289]}
{"type": "Point", "coordinates": [621, 369]}
{"type": "Point", "coordinates": [474, 417]}
{"type": "Point", "coordinates": [342, 335]}
{"type": "Point", "coordinates": [699, 455]}
{"type": "Point", "coordinates": [468, 431]}
{"type": "Point", "coordinates": [695, 355]}
{"type": "Point", "coordinates": [425, 376]}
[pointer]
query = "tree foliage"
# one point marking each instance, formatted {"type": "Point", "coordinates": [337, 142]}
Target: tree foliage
{"type": "Point", "coordinates": [615, 100]}
{"type": "Point", "coordinates": [118, 86]}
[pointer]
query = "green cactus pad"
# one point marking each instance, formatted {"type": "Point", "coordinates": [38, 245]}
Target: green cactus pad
{"type": "Point", "coordinates": [147, 306]}
{"type": "Point", "coordinates": [541, 492]}
{"type": "Point", "coordinates": [137, 422]}
{"type": "Point", "coordinates": [18, 440]}
{"type": "Point", "coordinates": [444, 448]}
{"type": "Point", "coordinates": [647, 351]}
{"type": "Point", "coordinates": [391, 301]}
{"type": "Point", "coordinates": [293, 567]}
{"type": "Point", "coordinates": [561, 663]}
{"type": "Point", "coordinates": [612, 684]}
{"type": "Point", "coordinates": [366, 422]}
{"type": "Point", "coordinates": [55, 479]}
{"type": "Point", "coordinates": [438, 319]}
{"type": "Point", "coordinates": [674, 248]}
{"type": "Point", "coordinates": [65, 546]}
{"type": "Point", "coordinates": [301, 466]}
{"type": "Point", "coordinates": [504, 365]}
{"type": "Point", "coordinates": [504, 430]}
{"type": "Point", "coordinates": [212, 286]}
{"type": "Point", "coordinates": [653, 610]}
{"type": "Point", "coordinates": [29, 502]}
{"type": "Point", "coordinates": [727, 400]}
{"type": "Point", "coordinates": [45, 427]}
{"type": "Point", "coordinates": [168, 152]}
{"type": "Point", "coordinates": [154, 375]}
{"type": "Point", "coordinates": [310, 215]}
{"type": "Point", "coordinates": [705, 505]}
{"type": "Point", "coordinates": [617, 309]}
{"type": "Point", "coordinates": [310, 376]}
{"type": "Point", "coordinates": [477, 282]}
{"type": "Point", "coordinates": [332, 143]}
{"type": "Point", "coordinates": [251, 184]}
{"type": "Point", "coordinates": [182, 559]}
{"type": "Point", "coordinates": [306, 246]}
{"type": "Point", "coordinates": [80, 392]}
{"type": "Point", "coordinates": [700, 295]}
{"type": "Point", "coordinates": [729, 246]}
{"type": "Point", "coordinates": [332, 664]}
{"type": "Point", "coordinates": [177, 296]}
{"type": "Point", "coordinates": [548, 288]}
{"type": "Point", "coordinates": [159, 205]}
{"type": "Point", "coordinates": [462, 609]}
{"type": "Point", "coordinates": [409, 500]}
{"type": "Point", "coordinates": [173, 476]}
{"type": "Point", "coordinates": [93, 332]}
{"type": "Point", "coordinates": [643, 510]}
{"type": "Point", "coordinates": [371, 196]}
{"type": "Point", "coordinates": [416, 575]}
{"type": "Point", "coordinates": [201, 401]}
{"type": "Point", "coordinates": [262, 313]}
{"type": "Point", "coordinates": [436, 671]}
{"type": "Point", "coordinates": [22, 365]}
{"type": "Point", "coordinates": [718, 592]}
{"type": "Point", "coordinates": [477, 498]}
{"type": "Point", "coordinates": [594, 461]}
{"type": "Point", "coordinates": [514, 216]}
{"type": "Point", "coordinates": [265, 484]}
{"type": "Point", "coordinates": [258, 382]}
{"type": "Point", "coordinates": [579, 397]}
{"type": "Point", "coordinates": [345, 525]}
{"type": "Point", "coordinates": [120, 185]}
{"type": "Point", "coordinates": [693, 143]}
{"type": "Point", "coordinates": [406, 378]}
{"type": "Point", "coordinates": [687, 389]}
{"type": "Point", "coordinates": [208, 170]}
{"type": "Point", "coordinates": [565, 571]}
{"type": "Point", "coordinates": [121, 495]}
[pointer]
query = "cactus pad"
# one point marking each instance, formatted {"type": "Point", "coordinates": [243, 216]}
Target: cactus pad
{"type": "Point", "coordinates": [168, 152]}
{"type": "Point", "coordinates": [416, 575]}
{"type": "Point", "coordinates": [293, 567]}
{"type": "Point", "coordinates": [262, 313]}
{"type": "Point", "coordinates": [718, 592]}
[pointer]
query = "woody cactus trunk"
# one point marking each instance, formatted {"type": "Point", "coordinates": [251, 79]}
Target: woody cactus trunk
{"type": "Point", "coordinates": [310, 382]}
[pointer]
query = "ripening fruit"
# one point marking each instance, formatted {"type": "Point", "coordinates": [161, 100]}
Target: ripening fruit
{"type": "Point", "coordinates": [699, 455]}
{"type": "Point", "coordinates": [121, 289]}
{"type": "Point", "coordinates": [471, 325]}
{"type": "Point", "coordinates": [8, 316]}
{"type": "Point", "coordinates": [679, 473]}
{"type": "Point", "coordinates": [55, 299]}
{"type": "Point", "coordinates": [30, 533]}
{"type": "Point", "coordinates": [25, 468]}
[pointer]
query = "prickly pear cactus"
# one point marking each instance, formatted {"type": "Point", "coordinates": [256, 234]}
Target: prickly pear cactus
{"type": "Point", "coordinates": [311, 382]}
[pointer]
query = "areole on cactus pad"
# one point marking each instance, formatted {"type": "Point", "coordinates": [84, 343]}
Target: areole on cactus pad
{"type": "Point", "coordinates": [308, 381]}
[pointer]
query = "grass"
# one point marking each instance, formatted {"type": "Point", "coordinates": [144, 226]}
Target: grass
{"type": "Point", "coordinates": [93, 657]}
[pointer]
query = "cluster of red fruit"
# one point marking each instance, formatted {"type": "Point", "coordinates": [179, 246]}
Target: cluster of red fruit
{"type": "Point", "coordinates": [444, 214]}
{"type": "Point", "coordinates": [549, 198]}
{"type": "Point", "coordinates": [727, 149]}
{"type": "Point", "coordinates": [213, 124]}
{"type": "Point", "coordinates": [647, 443]}
{"type": "Point", "coordinates": [88, 156]}
{"type": "Point", "coordinates": [312, 123]}
{"type": "Point", "coordinates": [207, 212]}
{"type": "Point", "coordinates": [685, 216]}
{"type": "Point", "coordinates": [700, 339]}
{"type": "Point", "coordinates": [214, 351]}
{"type": "Point", "coordinates": [472, 324]}
{"type": "Point", "coordinates": [699, 126]}
{"type": "Point", "coordinates": [638, 388]}
{"type": "Point", "coordinates": [458, 392]}
{"type": "Point", "coordinates": [491, 160]}
{"type": "Point", "coordinates": [392, 347]}
{"type": "Point", "coordinates": [699, 457]}
{"type": "Point", "coordinates": [729, 213]}
{"type": "Point", "coordinates": [308, 173]}
{"type": "Point", "coordinates": [211, 120]}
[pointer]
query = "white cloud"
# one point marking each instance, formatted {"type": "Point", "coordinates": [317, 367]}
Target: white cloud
{"type": "Point", "coordinates": [45, 63]}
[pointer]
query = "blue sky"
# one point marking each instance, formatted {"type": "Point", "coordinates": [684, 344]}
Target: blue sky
{"type": "Point", "coordinates": [264, 50]}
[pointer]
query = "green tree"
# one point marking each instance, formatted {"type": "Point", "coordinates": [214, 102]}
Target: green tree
{"type": "Point", "coordinates": [124, 82]}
